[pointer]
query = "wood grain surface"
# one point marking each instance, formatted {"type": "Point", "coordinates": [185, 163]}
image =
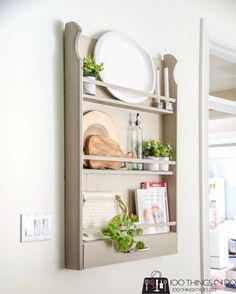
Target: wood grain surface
{"type": "Point", "coordinates": [103, 146]}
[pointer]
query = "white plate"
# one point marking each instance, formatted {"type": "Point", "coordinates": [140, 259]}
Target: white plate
{"type": "Point", "coordinates": [126, 64]}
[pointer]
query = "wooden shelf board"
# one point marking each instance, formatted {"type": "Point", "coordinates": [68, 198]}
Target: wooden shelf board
{"type": "Point", "coordinates": [128, 90]}
{"type": "Point", "coordinates": [126, 172]}
{"type": "Point", "coordinates": [159, 225]}
{"type": "Point", "coordinates": [125, 105]}
{"type": "Point", "coordinates": [121, 159]}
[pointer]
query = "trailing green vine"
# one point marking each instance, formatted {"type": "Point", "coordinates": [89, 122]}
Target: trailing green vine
{"type": "Point", "coordinates": [122, 230]}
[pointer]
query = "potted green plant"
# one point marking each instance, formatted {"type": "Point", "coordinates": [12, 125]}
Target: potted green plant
{"type": "Point", "coordinates": [91, 71]}
{"type": "Point", "coordinates": [166, 155]}
{"type": "Point", "coordinates": [151, 150]}
{"type": "Point", "coordinates": [122, 230]}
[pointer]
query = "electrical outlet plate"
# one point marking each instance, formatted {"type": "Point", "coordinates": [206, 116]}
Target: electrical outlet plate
{"type": "Point", "coordinates": [35, 227]}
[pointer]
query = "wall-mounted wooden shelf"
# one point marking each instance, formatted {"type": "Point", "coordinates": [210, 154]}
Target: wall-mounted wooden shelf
{"type": "Point", "coordinates": [159, 124]}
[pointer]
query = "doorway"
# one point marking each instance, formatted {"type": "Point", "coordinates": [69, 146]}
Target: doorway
{"type": "Point", "coordinates": [217, 151]}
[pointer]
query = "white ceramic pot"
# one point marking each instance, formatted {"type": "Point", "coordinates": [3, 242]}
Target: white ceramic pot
{"type": "Point", "coordinates": [90, 88]}
{"type": "Point", "coordinates": [164, 167]}
{"type": "Point", "coordinates": [152, 166]}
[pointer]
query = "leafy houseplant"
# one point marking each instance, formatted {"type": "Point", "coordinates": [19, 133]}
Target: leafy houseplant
{"type": "Point", "coordinates": [91, 70]}
{"type": "Point", "coordinates": [122, 230]}
{"type": "Point", "coordinates": [165, 154]}
{"type": "Point", "coordinates": [151, 150]}
{"type": "Point", "coordinates": [166, 150]}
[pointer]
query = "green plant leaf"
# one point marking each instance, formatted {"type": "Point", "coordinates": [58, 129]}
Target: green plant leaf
{"type": "Point", "coordinates": [156, 149]}
{"type": "Point", "coordinates": [166, 150]}
{"type": "Point", "coordinates": [133, 217]}
{"type": "Point", "coordinates": [122, 231]}
{"type": "Point", "coordinates": [91, 68]}
{"type": "Point", "coordinates": [139, 245]}
{"type": "Point", "coordinates": [116, 220]}
{"type": "Point", "coordinates": [139, 232]}
{"type": "Point", "coordinates": [124, 243]}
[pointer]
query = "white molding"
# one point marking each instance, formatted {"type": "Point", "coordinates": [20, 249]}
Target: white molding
{"type": "Point", "coordinates": [217, 40]}
{"type": "Point", "coordinates": [222, 139]}
{"type": "Point", "coordinates": [220, 38]}
{"type": "Point", "coordinates": [222, 105]}
{"type": "Point", "coordinates": [211, 145]}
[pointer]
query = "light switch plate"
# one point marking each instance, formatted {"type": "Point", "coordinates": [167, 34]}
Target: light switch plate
{"type": "Point", "coordinates": [27, 227]}
{"type": "Point", "coordinates": [46, 226]}
{"type": "Point", "coordinates": [35, 227]}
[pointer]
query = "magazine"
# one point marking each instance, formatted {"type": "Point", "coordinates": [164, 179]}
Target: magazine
{"type": "Point", "coordinates": [152, 208]}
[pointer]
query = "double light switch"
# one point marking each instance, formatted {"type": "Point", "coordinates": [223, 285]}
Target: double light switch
{"type": "Point", "coordinates": [35, 227]}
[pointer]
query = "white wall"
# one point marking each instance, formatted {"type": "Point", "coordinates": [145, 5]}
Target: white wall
{"type": "Point", "coordinates": [31, 124]}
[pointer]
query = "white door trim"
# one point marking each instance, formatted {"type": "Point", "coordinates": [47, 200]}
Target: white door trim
{"type": "Point", "coordinates": [203, 168]}
{"type": "Point", "coordinates": [217, 41]}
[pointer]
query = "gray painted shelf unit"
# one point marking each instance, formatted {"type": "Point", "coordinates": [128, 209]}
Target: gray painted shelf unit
{"type": "Point", "coordinates": [156, 123]}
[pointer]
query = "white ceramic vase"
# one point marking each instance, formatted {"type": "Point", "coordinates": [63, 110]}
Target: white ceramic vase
{"type": "Point", "coordinates": [165, 166]}
{"type": "Point", "coordinates": [90, 88]}
{"type": "Point", "coordinates": [152, 166]}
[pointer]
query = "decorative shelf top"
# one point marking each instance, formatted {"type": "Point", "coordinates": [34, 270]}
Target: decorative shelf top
{"type": "Point", "coordinates": [125, 105]}
{"type": "Point", "coordinates": [122, 159]}
{"type": "Point", "coordinates": [126, 172]}
{"type": "Point", "coordinates": [132, 91]}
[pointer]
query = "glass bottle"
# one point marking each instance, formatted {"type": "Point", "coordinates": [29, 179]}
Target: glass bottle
{"type": "Point", "coordinates": [130, 137]}
{"type": "Point", "coordinates": [137, 140]}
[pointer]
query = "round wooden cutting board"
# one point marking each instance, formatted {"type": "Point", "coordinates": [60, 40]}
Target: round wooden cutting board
{"type": "Point", "coordinates": [99, 123]}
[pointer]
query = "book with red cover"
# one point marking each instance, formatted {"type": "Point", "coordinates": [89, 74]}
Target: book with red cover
{"type": "Point", "coordinates": [147, 185]}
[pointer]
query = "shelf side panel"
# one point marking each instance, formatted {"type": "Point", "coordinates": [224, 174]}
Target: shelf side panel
{"type": "Point", "coordinates": [170, 136]}
{"type": "Point", "coordinates": [73, 149]}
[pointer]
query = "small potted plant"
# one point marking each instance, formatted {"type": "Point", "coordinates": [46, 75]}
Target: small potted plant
{"type": "Point", "coordinates": [165, 154]}
{"type": "Point", "coordinates": [151, 150]}
{"type": "Point", "coordinates": [91, 71]}
{"type": "Point", "coordinates": [122, 230]}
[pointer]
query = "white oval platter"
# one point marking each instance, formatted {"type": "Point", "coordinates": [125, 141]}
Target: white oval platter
{"type": "Point", "coordinates": [126, 64]}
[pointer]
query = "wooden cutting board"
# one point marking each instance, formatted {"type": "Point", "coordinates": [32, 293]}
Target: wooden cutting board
{"type": "Point", "coordinates": [103, 146]}
{"type": "Point", "coordinates": [99, 123]}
